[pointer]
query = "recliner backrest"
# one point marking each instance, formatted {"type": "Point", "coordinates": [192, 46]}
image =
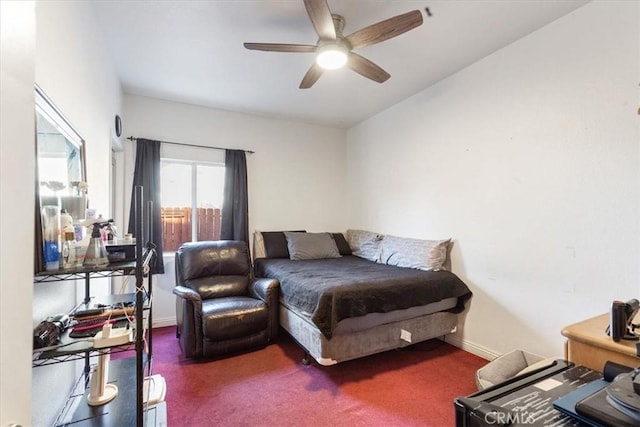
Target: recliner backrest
{"type": "Point", "coordinates": [214, 269]}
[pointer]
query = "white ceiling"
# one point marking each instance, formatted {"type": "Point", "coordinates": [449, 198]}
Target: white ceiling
{"type": "Point", "coordinates": [192, 52]}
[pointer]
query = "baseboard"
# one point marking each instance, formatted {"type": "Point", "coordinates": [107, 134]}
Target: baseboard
{"type": "Point", "coordinates": [164, 321]}
{"type": "Point", "coordinates": [471, 347]}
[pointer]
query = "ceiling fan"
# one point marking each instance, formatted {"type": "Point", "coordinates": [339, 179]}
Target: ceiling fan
{"type": "Point", "coordinates": [334, 50]}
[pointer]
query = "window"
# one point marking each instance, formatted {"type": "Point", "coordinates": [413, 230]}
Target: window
{"type": "Point", "coordinates": [191, 202]}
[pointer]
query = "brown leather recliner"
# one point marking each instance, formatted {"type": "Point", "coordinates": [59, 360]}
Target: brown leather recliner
{"type": "Point", "coordinates": [221, 308]}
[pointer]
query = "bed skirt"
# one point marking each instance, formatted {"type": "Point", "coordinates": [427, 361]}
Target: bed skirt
{"type": "Point", "coordinates": [348, 346]}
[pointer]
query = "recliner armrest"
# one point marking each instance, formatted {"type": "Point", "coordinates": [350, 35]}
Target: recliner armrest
{"type": "Point", "coordinates": [268, 290]}
{"type": "Point", "coordinates": [187, 293]}
{"type": "Point", "coordinates": [265, 289]}
{"type": "Point", "coordinates": [189, 319]}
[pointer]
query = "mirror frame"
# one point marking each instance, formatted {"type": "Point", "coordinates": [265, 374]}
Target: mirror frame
{"type": "Point", "coordinates": [49, 111]}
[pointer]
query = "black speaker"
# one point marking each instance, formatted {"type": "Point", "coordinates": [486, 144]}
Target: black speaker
{"type": "Point", "coordinates": [618, 322]}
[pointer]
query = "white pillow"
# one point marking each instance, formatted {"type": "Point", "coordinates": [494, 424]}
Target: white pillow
{"type": "Point", "coordinates": [364, 244]}
{"type": "Point", "coordinates": [414, 253]}
{"type": "Point", "coordinates": [311, 245]}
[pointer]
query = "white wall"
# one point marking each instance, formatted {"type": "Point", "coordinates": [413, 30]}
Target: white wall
{"type": "Point", "coordinates": [530, 160]}
{"type": "Point", "coordinates": [295, 176]}
{"type": "Point", "coordinates": [75, 70]}
{"type": "Point", "coordinates": [17, 145]}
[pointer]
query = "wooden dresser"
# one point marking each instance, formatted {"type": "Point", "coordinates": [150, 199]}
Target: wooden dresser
{"type": "Point", "coordinates": [589, 345]}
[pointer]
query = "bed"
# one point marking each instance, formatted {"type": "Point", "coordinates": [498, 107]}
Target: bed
{"type": "Point", "coordinates": [341, 304]}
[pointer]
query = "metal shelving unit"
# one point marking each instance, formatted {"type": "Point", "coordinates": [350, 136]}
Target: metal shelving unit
{"type": "Point", "coordinates": [120, 411]}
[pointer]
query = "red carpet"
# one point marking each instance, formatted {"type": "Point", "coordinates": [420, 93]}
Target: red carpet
{"type": "Point", "coordinates": [271, 387]}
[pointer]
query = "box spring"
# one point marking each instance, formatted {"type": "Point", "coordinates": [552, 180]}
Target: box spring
{"type": "Point", "coordinates": [352, 345]}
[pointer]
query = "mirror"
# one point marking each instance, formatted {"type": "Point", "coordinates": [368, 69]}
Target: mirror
{"type": "Point", "coordinates": [60, 168]}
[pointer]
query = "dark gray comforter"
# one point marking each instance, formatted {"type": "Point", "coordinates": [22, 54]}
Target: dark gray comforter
{"type": "Point", "coordinates": [330, 290]}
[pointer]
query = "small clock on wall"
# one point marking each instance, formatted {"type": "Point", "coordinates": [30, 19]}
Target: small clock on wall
{"type": "Point", "coordinates": [118, 126]}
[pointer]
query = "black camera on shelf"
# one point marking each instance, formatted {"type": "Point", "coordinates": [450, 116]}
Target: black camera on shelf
{"type": "Point", "coordinates": [48, 331]}
{"type": "Point", "coordinates": [622, 315]}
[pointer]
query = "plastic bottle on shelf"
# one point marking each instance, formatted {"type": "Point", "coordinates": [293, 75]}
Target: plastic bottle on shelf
{"type": "Point", "coordinates": [79, 231]}
{"type": "Point", "coordinates": [66, 224]}
{"type": "Point", "coordinates": [69, 250]}
{"type": "Point", "coordinates": [82, 245]}
{"type": "Point", "coordinates": [51, 234]}
{"type": "Point", "coordinates": [66, 221]}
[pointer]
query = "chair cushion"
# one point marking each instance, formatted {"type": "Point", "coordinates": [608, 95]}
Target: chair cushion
{"type": "Point", "coordinates": [212, 258]}
{"type": "Point", "coordinates": [219, 286]}
{"type": "Point", "coordinates": [233, 317]}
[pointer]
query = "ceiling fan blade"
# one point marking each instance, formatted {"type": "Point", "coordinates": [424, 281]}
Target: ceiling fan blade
{"type": "Point", "coordinates": [311, 77]}
{"type": "Point", "coordinates": [320, 16]}
{"type": "Point", "coordinates": [385, 30]}
{"type": "Point", "coordinates": [366, 68]}
{"type": "Point", "coordinates": [280, 47]}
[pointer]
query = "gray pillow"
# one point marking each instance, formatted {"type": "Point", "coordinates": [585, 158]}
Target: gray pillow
{"type": "Point", "coordinates": [414, 253]}
{"type": "Point", "coordinates": [275, 244]}
{"type": "Point", "coordinates": [365, 244]}
{"type": "Point", "coordinates": [311, 245]}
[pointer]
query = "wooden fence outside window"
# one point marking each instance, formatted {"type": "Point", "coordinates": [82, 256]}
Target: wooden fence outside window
{"type": "Point", "coordinates": [177, 225]}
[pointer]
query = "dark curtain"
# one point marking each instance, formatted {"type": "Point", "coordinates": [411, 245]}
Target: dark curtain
{"type": "Point", "coordinates": [147, 174]}
{"type": "Point", "coordinates": [235, 207]}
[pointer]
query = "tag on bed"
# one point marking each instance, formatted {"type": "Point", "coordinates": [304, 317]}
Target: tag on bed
{"type": "Point", "coordinates": [405, 335]}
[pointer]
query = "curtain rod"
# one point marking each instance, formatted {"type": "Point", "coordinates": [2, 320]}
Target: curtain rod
{"type": "Point", "coordinates": [133, 138]}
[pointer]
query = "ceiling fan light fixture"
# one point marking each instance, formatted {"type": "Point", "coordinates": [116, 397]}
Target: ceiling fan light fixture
{"type": "Point", "coordinates": [333, 50]}
{"type": "Point", "coordinates": [332, 56]}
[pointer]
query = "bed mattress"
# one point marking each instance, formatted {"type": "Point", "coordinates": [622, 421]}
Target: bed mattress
{"type": "Point", "coordinates": [329, 291]}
